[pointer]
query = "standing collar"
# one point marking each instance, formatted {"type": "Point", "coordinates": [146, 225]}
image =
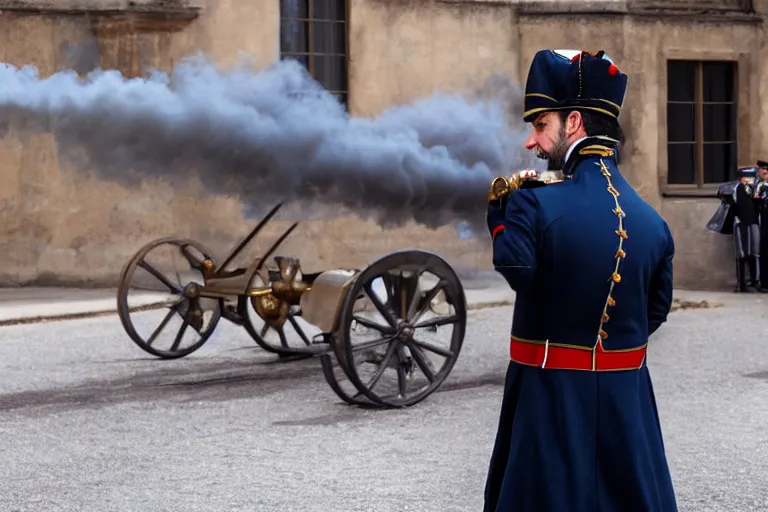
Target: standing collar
{"type": "Point", "coordinates": [572, 160]}
{"type": "Point", "coordinates": [570, 149]}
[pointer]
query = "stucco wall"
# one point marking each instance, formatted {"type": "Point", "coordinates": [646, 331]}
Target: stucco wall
{"type": "Point", "coordinates": [59, 225]}
{"type": "Point", "coordinates": [402, 50]}
{"type": "Point", "coordinates": [704, 259]}
{"type": "Point", "coordinates": [641, 47]}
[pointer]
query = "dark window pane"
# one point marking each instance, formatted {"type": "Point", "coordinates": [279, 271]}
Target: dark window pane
{"type": "Point", "coordinates": [329, 37]}
{"type": "Point", "coordinates": [718, 78]}
{"type": "Point", "coordinates": [681, 80]}
{"type": "Point", "coordinates": [719, 123]}
{"type": "Point", "coordinates": [293, 36]}
{"type": "Point", "coordinates": [302, 59]}
{"type": "Point", "coordinates": [329, 9]}
{"type": "Point", "coordinates": [681, 160]}
{"type": "Point", "coordinates": [719, 163]}
{"type": "Point", "coordinates": [331, 72]}
{"type": "Point", "coordinates": [681, 123]}
{"type": "Point", "coordinates": [342, 97]}
{"type": "Point", "coordinates": [294, 8]}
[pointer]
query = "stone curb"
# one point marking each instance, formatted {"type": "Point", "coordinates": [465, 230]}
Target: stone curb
{"type": "Point", "coordinates": [55, 318]}
{"type": "Point", "coordinates": [72, 311]}
{"type": "Point", "coordinates": [105, 307]}
{"type": "Point", "coordinates": [100, 308]}
{"type": "Point", "coordinates": [490, 304]}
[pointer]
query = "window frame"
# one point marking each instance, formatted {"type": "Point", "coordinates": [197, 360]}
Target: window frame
{"type": "Point", "coordinates": [742, 99]}
{"type": "Point", "coordinates": [311, 21]}
{"type": "Point", "coordinates": [699, 125]}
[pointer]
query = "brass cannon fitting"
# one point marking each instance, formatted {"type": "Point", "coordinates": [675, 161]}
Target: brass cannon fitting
{"type": "Point", "coordinates": [290, 291]}
{"type": "Point", "coordinates": [272, 302]}
{"type": "Point", "coordinates": [207, 267]}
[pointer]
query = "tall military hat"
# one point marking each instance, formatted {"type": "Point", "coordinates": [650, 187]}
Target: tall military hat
{"type": "Point", "coordinates": [569, 79]}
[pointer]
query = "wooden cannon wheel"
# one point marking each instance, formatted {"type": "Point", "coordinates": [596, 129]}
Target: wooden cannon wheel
{"type": "Point", "coordinates": [176, 301]}
{"type": "Point", "coordinates": [400, 330]}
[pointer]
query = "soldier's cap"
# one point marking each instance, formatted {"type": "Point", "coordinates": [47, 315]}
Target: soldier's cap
{"type": "Point", "coordinates": [762, 164]}
{"type": "Point", "coordinates": [746, 172]}
{"type": "Point", "coordinates": [568, 79]}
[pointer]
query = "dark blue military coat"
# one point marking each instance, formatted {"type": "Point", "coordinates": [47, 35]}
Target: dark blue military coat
{"type": "Point", "coordinates": [591, 264]}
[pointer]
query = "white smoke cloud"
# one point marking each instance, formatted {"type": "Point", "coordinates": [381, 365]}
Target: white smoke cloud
{"type": "Point", "coordinates": [275, 134]}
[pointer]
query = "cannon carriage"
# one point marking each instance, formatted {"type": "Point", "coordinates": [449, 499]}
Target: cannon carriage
{"type": "Point", "coordinates": [375, 330]}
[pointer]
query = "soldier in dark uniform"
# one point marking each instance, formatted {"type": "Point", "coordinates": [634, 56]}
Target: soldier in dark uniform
{"type": "Point", "coordinates": [579, 430]}
{"type": "Point", "coordinates": [761, 194]}
{"type": "Point", "coordinates": [746, 231]}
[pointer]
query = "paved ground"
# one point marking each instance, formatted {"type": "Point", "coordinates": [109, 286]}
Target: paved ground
{"type": "Point", "coordinates": [42, 303]}
{"type": "Point", "coordinates": [89, 423]}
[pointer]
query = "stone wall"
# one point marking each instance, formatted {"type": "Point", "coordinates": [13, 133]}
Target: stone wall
{"type": "Point", "coordinates": [60, 225]}
{"type": "Point", "coordinates": [63, 227]}
{"type": "Point", "coordinates": [641, 42]}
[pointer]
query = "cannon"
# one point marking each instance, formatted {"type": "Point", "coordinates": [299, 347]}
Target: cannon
{"type": "Point", "coordinates": [375, 331]}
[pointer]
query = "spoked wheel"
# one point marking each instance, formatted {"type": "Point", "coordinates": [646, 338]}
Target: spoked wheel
{"type": "Point", "coordinates": [401, 328]}
{"type": "Point", "coordinates": [158, 301]}
{"type": "Point", "coordinates": [336, 376]}
{"type": "Point", "coordinates": [277, 327]}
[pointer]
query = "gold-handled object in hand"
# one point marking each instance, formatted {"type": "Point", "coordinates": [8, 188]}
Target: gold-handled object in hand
{"type": "Point", "coordinates": [502, 186]}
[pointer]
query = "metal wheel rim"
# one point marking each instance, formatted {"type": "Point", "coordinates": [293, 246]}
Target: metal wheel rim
{"type": "Point", "coordinates": [413, 259]}
{"type": "Point", "coordinates": [124, 311]}
{"type": "Point", "coordinates": [354, 397]}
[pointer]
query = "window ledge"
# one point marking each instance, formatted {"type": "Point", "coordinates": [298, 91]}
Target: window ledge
{"type": "Point", "coordinates": [721, 10]}
{"type": "Point", "coordinates": [548, 7]}
{"type": "Point", "coordinates": [103, 6]}
{"type": "Point", "coordinates": [703, 16]}
{"type": "Point", "coordinates": [706, 192]}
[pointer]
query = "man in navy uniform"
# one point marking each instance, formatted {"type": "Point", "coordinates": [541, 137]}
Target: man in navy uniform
{"type": "Point", "coordinates": [746, 231]}
{"type": "Point", "coordinates": [591, 264]}
{"type": "Point", "coordinates": [761, 195]}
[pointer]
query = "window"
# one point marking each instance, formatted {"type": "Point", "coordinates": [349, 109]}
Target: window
{"type": "Point", "coordinates": [314, 32]}
{"type": "Point", "coordinates": [701, 122]}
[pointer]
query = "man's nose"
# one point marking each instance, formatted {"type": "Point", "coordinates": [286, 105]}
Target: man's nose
{"type": "Point", "coordinates": [530, 142]}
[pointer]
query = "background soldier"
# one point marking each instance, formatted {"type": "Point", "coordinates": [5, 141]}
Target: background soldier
{"type": "Point", "coordinates": [591, 264]}
{"type": "Point", "coordinates": [746, 232]}
{"type": "Point", "coordinates": [761, 193]}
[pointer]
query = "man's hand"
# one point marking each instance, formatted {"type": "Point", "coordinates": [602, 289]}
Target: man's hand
{"type": "Point", "coordinates": [528, 175]}
{"type": "Point", "coordinates": [498, 198]}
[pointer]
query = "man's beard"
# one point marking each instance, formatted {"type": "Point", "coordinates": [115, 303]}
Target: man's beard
{"type": "Point", "coordinates": [555, 157]}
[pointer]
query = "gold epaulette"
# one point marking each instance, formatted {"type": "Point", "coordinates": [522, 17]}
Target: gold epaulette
{"type": "Point", "coordinates": [596, 149]}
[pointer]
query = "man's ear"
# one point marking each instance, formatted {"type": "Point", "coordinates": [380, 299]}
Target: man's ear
{"type": "Point", "coordinates": [573, 122]}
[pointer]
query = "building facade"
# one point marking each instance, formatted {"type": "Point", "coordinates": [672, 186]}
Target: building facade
{"type": "Point", "coordinates": [694, 111]}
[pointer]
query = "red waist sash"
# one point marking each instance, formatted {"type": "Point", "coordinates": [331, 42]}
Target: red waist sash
{"type": "Point", "coordinates": [557, 356]}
